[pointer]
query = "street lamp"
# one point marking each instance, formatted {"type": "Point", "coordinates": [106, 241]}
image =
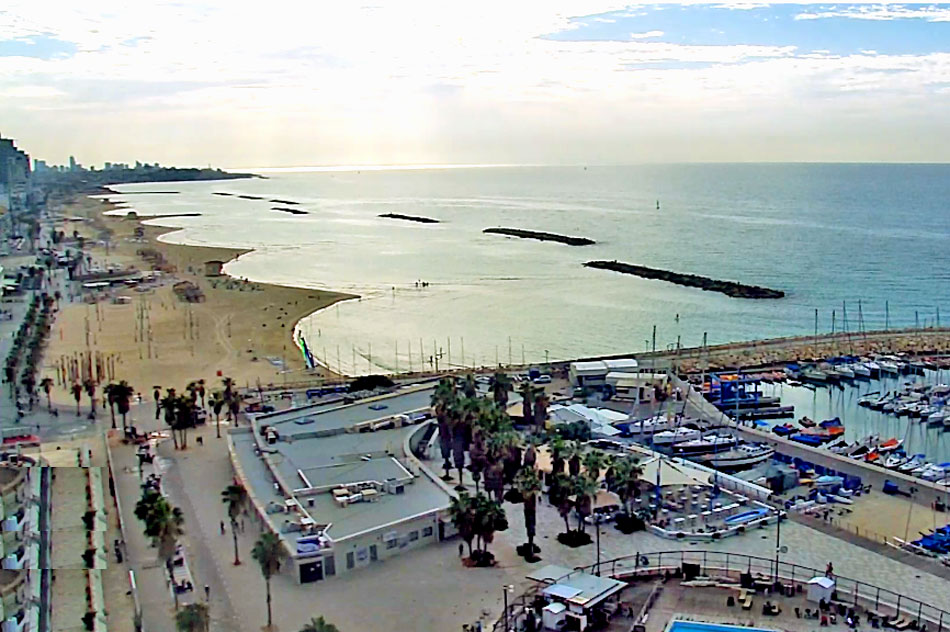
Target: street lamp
{"type": "Point", "coordinates": [508, 588]}
{"type": "Point", "coordinates": [597, 520]}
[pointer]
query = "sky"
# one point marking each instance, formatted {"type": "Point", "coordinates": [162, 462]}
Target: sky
{"type": "Point", "coordinates": [287, 83]}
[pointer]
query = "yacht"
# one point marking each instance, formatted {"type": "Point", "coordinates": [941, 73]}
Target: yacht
{"type": "Point", "coordinates": [861, 371]}
{"type": "Point", "coordinates": [889, 368]}
{"type": "Point", "coordinates": [742, 456]}
{"type": "Point", "coordinates": [706, 445]}
{"type": "Point", "coordinates": [873, 367]}
{"type": "Point", "coordinates": [672, 437]}
{"type": "Point", "coordinates": [843, 372]}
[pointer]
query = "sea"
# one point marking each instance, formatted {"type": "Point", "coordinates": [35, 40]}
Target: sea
{"type": "Point", "coordinates": [866, 245]}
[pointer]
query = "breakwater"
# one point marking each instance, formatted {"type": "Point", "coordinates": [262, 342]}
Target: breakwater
{"type": "Point", "coordinates": [541, 236]}
{"type": "Point", "coordinates": [292, 211]}
{"type": "Point", "coordinates": [411, 218]}
{"type": "Point", "coordinates": [729, 288]}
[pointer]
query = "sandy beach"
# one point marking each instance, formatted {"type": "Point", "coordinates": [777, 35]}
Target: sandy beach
{"type": "Point", "coordinates": [242, 330]}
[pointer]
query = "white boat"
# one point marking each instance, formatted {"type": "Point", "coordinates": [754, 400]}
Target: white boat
{"type": "Point", "coordinates": [912, 463]}
{"type": "Point", "coordinates": [745, 455]}
{"type": "Point", "coordinates": [861, 371]}
{"type": "Point", "coordinates": [843, 372]}
{"type": "Point", "coordinates": [817, 375]}
{"type": "Point", "coordinates": [889, 368]}
{"type": "Point", "coordinates": [937, 418]}
{"type": "Point", "coordinates": [671, 437]}
{"type": "Point", "coordinates": [894, 461]}
{"type": "Point", "coordinates": [873, 367]}
{"type": "Point", "coordinates": [649, 426]}
{"type": "Point", "coordinates": [935, 472]}
{"type": "Point", "coordinates": [706, 445]}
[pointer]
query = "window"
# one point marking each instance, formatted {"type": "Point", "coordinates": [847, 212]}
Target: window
{"type": "Point", "coordinates": [349, 560]}
{"type": "Point", "coordinates": [391, 544]}
{"type": "Point", "coordinates": [413, 536]}
{"type": "Point", "coordinates": [427, 532]}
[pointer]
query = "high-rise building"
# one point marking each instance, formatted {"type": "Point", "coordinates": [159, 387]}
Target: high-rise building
{"type": "Point", "coordinates": [14, 176]}
{"type": "Point", "coordinates": [72, 163]}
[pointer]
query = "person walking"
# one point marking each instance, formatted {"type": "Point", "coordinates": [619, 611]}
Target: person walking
{"type": "Point", "coordinates": [207, 592]}
{"type": "Point", "coordinates": [461, 549]}
{"type": "Point", "coordinates": [222, 527]}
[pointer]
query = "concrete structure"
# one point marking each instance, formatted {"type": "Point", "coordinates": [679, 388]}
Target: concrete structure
{"type": "Point", "coordinates": [214, 268]}
{"type": "Point", "coordinates": [340, 485]}
{"type": "Point", "coordinates": [600, 420]}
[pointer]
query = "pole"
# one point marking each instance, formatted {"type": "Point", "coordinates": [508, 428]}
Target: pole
{"type": "Point", "coordinates": [778, 542]}
{"type": "Point", "coordinates": [654, 339]}
{"type": "Point", "coordinates": [509, 352]}
{"type": "Point", "coordinates": [505, 593]}
{"type": "Point", "coordinates": [597, 522]}
{"type": "Point", "coordinates": [887, 316]}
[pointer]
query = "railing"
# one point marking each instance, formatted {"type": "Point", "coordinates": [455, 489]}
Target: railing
{"type": "Point", "coordinates": [848, 590]}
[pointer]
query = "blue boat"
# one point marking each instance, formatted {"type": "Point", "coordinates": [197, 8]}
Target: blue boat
{"type": "Point", "coordinates": [811, 440]}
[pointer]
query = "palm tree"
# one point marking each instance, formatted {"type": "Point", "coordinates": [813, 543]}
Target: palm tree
{"type": "Point", "coordinates": [201, 392]}
{"type": "Point", "coordinates": [625, 481]}
{"type": "Point", "coordinates": [90, 387]}
{"type": "Point", "coordinates": [109, 392]}
{"type": "Point", "coordinates": [184, 418]}
{"type": "Point", "coordinates": [169, 405]}
{"type": "Point", "coordinates": [560, 495]}
{"type": "Point", "coordinates": [558, 447]}
{"type": "Point", "coordinates": [585, 490]}
{"type": "Point", "coordinates": [319, 625]}
{"type": "Point", "coordinates": [461, 511]}
{"type": "Point", "coordinates": [163, 524]}
{"type": "Point", "coordinates": [443, 398]}
{"type": "Point", "coordinates": [527, 402]}
{"type": "Point", "coordinates": [593, 462]}
{"type": "Point", "coordinates": [528, 483]}
{"type": "Point", "coordinates": [234, 496]}
{"type": "Point", "coordinates": [489, 518]}
{"type": "Point", "coordinates": [268, 552]}
{"type": "Point", "coordinates": [216, 401]}
{"type": "Point", "coordinates": [541, 404]}
{"type": "Point", "coordinates": [122, 393]}
{"type": "Point", "coordinates": [229, 393]}
{"type": "Point", "coordinates": [500, 385]}
{"type": "Point", "coordinates": [573, 456]}
{"type": "Point", "coordinates": [47, 385]}
{"type": "Point", "coordinates": [469, 385]}
{"type": "Point", "coordinates": [193, 618]}
{"type": "Point", "coordinates": [77, 395]}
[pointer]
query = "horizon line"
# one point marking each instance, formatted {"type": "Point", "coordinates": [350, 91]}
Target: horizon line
{"type": "Point", "coordinates": [447, 166]}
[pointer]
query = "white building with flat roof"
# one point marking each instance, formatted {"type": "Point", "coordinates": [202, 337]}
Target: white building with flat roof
{"type": "Point", "coordinates": [593, 373]}
{"type": "Point", "coordinates": [340, 485]}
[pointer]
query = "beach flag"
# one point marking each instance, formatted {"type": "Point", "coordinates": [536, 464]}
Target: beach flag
{"type": "Point", "coordinates": [307, 356]}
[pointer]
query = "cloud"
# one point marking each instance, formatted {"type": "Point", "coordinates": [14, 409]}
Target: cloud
{"type": "Point", "coordinates": [647, 35]}
{"type": "Point", "coordinates": [882, 12]}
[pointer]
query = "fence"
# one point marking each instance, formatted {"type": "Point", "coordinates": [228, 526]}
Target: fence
{"type": "Point", "coordinates": [848, 590]}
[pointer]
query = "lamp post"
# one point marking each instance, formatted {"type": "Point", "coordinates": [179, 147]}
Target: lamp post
{"type": "Point", "coordinates": [597, 525]}
{"type": "Point", "coordinates": [778, 542]}
{"type": "Point", "coordinates": [508, 588]}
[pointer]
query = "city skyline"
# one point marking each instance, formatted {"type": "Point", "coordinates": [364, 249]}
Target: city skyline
{"type": "Point", "coordinates": [555, 83]}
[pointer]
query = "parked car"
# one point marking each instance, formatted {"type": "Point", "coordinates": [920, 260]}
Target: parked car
{"type": "Point", "coordinates": [607, 513]}
{"type": "Point", "coordinates": [542, 379]}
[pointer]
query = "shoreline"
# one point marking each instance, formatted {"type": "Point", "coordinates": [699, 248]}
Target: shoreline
{"type": "Point", "coordinates": [154, 337]}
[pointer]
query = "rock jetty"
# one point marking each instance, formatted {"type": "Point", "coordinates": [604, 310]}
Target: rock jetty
{"type": "Point", "coordinates": [411, 218]}
{"type": "Point", "coordinates": [279, 201]}
{"type": "Point", "coordinates": [540, 236]}
{"type": "Point", "coordinates": [292, 211]}
{"type": "Point", "coordinates": [729, 288]}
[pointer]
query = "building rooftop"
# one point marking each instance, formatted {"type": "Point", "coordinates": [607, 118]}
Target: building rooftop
{"type": "Point", "coordinates": [323, 418]}
{"type": "Point", "coordinates": [312, 462]}
{"type": "Point", "coordinates": [580, 588]}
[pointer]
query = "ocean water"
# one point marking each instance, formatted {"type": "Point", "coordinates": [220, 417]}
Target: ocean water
{"type": "Point", "coordinates": [828, 235]}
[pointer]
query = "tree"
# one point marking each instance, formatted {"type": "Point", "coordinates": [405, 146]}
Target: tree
{"type": "Point", "coordinates": [201, 392]}
{"type": "Point", "coordinates": [541, 404]}
{"type": "Point", "coordinates": [109, 392]}
{"type": "Point", "coordinates": [193, 618]}
{"type": "Point", "coordinates": [268, 552]}
{"type": "Point", "coordinates": [47, 385]}
{"type": "Point", "coordinates": [319, 625]}
{"type": "Point", "coordinates": [489, 517]}
{"type": "Point", "coordinates": [559, 493]}
{"type": "Point", "coordinates": [593, 462]}
{"type": "Point", "coordinates": [585, 491]}
{"type": "Point", "coordinates": [123, 392]}
{"type": "Point", "coordinates": [527, 402]}
{"type": "Point", "coordinates": [500, 385]}
{"type": "Point", "coordinates": [169, 405]}
{"type": "Point", "coordinates": [90, 387]}
{"type": "Point", "coordinates": [623, 478]}
{"type": "Point", "coordinates": [234, 496]}
{"type": "Point", "coordinates": [77, 395]}
{"type": "Point", "coordinates": [461, 511]}
{"type": "Point", "coordinates": [469, 385]}
{"type": "Point", "coordinates": [558, 447]}
{"type": "Point", "coordinates": [528, 483]}
{"type": "Point", "coordinates": [216, 401]}
{"type": "Point", "coordinates": [443, 399]}
{"type": "Point", "coordinates": [164, 524]}
{"type": "Point", "coordinates": [229, 394]}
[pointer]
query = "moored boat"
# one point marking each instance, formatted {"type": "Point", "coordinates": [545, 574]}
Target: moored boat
{"type": "Point", "coordinates": [706, 445]}
{"type": "Point", "coordinates": [742, 456]}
